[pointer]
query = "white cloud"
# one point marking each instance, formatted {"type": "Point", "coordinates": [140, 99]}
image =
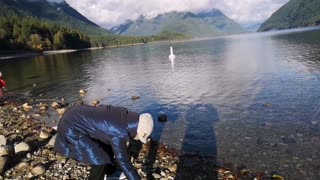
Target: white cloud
{"type": "Point", "coordinates": [108, 13]}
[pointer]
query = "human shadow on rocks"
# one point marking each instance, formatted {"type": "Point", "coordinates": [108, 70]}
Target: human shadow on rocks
{"type": "Point", "coordinates": [199, 150]}
{"type": "Point", "coordinates": [35, 145]}
{"type": "Point", "coordinates": [156, 110]}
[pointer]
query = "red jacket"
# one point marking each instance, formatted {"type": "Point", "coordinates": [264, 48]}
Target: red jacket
{"type": "Point", "coordinates": [2, 83]}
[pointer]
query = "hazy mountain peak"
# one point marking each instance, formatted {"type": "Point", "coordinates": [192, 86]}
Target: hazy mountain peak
{"type": "Point", "coordinates": [212, 12]}
{"type": "Point", "coordinates": [211, 23]}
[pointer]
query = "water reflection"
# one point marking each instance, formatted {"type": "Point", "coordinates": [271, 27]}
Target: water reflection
{"type": "Point", "coordinates": [237, 74]}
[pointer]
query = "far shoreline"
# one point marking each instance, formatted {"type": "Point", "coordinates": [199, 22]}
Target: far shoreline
{"type": "Point", "coordinates": [22, 54]}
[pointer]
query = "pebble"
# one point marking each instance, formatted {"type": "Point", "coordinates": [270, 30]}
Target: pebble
{"type": "Point", "coordinates": [61, 111]}
{"type": "Point", "coordinates": [38, 170]}
{"type": "Point", "coordinates": [3, 140]}
{"type": "Point", "coordinates": [95, 102]}
{"type": "Point", "coordinates": [26, 107]}
{"type": "Point", "coordinates": [21, 147]}
{"type": "Point", "coordinates": [156, 175]}
{"type": "Point", "coordinates": [44, 134]}
{"type": "Point", "coordinates": [55, 105]}
{"type": "Point", "coordinates": [135, 97]}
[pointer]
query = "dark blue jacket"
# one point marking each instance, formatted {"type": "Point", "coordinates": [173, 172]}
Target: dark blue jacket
{"type": "Point", "coordinates": [84, 129]}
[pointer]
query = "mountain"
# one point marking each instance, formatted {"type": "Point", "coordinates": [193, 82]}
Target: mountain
{"type": "Point", "coordinates": [190, 24]}
{"type": "Point", "coordinates": [60, 13]}
{"type": "Point", "coordinates": [295, 13]}
{"type": "Point", "coordinates": [252, 27]}
{"type": "Point", "coordinates": [215, 18]}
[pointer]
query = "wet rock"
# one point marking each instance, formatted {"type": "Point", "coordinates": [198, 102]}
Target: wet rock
{"type": "Point", "coordinates": [26, 107]}
{"type": "Point", "coordinates": [44, 134]}
{"type": "Point", "coordinates": [21, 147]}
{"type": "Point", "coordinates": [61, 111]}
{"type": "Point", "coordinates": [38, 170]}
{"type": "Point", "coordinates": [3, 161]}
{"type": "Point", "coordinates": [162, 118]}
{"type": "Point", "coordinates": [81, 91]}
{"type": "Point", "coordinates": [95, 102]}
{"type": "Point", "coordinates": [55, 105]}
{"type": "Point", "coordinates": [135, 97]}
{"type": "Point", "coordinates": [3, 140]}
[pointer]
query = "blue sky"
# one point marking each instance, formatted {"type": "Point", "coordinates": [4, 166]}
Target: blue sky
{"type": "Point", "coordinates": [108, 13]}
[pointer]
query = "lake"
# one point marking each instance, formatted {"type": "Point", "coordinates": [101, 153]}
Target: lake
{"type": "Point", "coordinates": [251, 100]}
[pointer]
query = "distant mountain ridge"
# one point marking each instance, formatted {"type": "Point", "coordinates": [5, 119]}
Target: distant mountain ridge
{"type": "Point", "coordinates": [295, 13]}
{"type": "Point", "coordinates": [60, 13]}
{"type": "Point", "coordinates": [212, 23]}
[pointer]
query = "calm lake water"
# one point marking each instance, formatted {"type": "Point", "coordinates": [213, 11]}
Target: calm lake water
{"type": "Point", "coordinates": [251, 100]}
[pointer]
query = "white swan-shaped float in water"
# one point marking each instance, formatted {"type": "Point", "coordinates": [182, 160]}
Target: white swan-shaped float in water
{"type": "Point", "coordinates": [171, 56]}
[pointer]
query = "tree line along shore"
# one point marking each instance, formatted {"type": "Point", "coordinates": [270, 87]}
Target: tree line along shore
{"type": "Point", "coordinates": [33, 34]}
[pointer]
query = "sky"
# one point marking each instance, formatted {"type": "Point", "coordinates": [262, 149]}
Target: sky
{"type": "Point", "coordinates": [108, 13]}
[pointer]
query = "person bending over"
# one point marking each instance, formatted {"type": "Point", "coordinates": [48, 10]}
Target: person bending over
{"type": "Point", "coordinates": [84, 133]}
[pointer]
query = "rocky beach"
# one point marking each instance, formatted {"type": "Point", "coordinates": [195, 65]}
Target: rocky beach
{"type": "Point", "coordinates": [27, 140]}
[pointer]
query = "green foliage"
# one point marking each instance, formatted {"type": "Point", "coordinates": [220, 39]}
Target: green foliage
{"type": "Point", "coordinates": [105, 41]}
{"type": "Point", "coordinates": [33, 34]}
{"type": "Point", "coordinates": [30, 33]}
{"type": "Point", "coordinates": [296, 13]}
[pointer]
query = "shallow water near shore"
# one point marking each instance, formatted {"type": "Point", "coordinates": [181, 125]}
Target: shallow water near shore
{"type": "Point", "coordinates": [248, 100]}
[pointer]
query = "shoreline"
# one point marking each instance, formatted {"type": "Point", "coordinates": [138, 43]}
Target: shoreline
{"type": "Point", "coordinates": [21, 54]}
{"type": "Point", "coordinates": [18, 54]}
{"type": "Point", "coordinates": [30, 126]}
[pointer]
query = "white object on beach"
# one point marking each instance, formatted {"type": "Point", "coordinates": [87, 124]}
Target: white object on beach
{"type": "Point", "coordinates": [171, 56]}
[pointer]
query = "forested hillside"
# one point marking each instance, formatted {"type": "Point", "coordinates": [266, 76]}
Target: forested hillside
{"type": "Point", "coordinates": [296, 13]}
{"type": "Point", "coordinates": [17, 33]}
{"type": "Point", "coordinates": [58, 13]}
